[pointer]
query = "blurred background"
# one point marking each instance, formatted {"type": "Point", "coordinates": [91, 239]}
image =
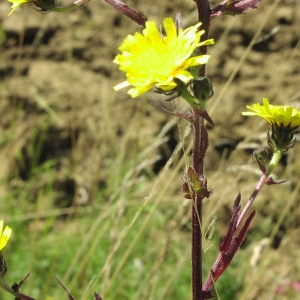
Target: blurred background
{"type": "Point", "coordinates": [89, 178]}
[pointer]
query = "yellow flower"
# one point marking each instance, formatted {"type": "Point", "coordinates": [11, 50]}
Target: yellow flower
{"type": "Point", "coordinates": [150, 59]}
{"type": "Point", "coordinates": [4, 235]}
{"type": "Point", "coordinates": [275, 114]}
{"type": "Point", "coordinates": [46, 6]}
{"type": "Point", "coordinates": [17, 3]}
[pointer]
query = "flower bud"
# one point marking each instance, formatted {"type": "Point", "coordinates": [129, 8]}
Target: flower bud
{"type": "Point", "coordinates": [202, 89]}
{"type": "Point", "coordinates": [261, 156]}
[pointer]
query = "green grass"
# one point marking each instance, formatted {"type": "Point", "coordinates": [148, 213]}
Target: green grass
{"type": "Point", "coordinates": [124, 246]}
{"type": "Point", "coordinates": [159, 258]}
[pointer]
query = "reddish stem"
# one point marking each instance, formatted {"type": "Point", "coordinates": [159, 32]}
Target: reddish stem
{"type": "Point", "coordinates": [200, 144]}
{"type": "Point", "coordinates": [230, 246]}
{"type": "Point", "coordinates": [204, 12]}
{"type": "Point", "coordinates": [196, 250]}
{"type": "Point", "coordinates": [259, 186]}
{"type": "Point", "coordinates": [21, 296]}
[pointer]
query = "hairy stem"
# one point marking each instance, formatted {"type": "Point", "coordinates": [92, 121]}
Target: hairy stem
{"type": "Point", "coordinates": [196, 221]}
{"type": "Point", "coordinates": [200, 144]}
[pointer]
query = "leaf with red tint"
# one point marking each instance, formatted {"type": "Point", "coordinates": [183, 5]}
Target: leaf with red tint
{"type": "Point", "coordinates": [231, 230]}
{"type": "Point", "coordinates": [97, 297]}
{"type": "Point", "coordinates": [270, 181]}
{"type": "Point", "coordinates": [228, 249]}
{"type": "Point", "coordinates": [234, 7]}
{"type": "Point", "coordinates": [137, 16]}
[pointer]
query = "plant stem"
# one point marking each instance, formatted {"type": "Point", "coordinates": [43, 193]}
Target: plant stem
{"type": "Point", "coordinates": [200, 144]}
{"type": "Point", "coordinates": [196, 250]}
{"type": "Point", "coordinates": [259, 186]}
{"type": "Point", "coordinates": [204, 17]}
{"type": "Point", "coordinates": [274, 161]}
{"type": "Point", "coordinates": [196, 238]}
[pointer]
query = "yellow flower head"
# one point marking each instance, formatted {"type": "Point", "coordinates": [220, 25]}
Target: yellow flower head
{"type": "Point", "coordinates": [4, 235]}
{"type": "Point", "coordinates": [150, 59]}
{"type": "Point", "coordinates": [17, 3]}
{"type": "Point", "coordinates": [275, 114]}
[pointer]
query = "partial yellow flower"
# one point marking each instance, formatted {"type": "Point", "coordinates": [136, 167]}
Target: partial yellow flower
{"type": "Point", "coordinates": [4, 235]}
{"type": "Point", "coordinates": [275, 114]}
{"type": "Point", "coordinates": [46, 6]}
{"type": "Point", "coordinates": [150, 59]}
{"type": "Point", "coordinates": [17, 3]}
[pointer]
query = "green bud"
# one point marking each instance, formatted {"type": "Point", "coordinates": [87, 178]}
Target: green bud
{"type": "Point", "coordinates": [261, 156]}
{"type": "Point", "coordinates": [203, 90]}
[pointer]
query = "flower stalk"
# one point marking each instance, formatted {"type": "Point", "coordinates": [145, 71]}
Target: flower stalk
{"type": "Point", "coordinates": [204, 15]}
{"type": "Point", "coordinates": [200, 144]}
{"type": "Point", "coordinates": [274, 162]}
